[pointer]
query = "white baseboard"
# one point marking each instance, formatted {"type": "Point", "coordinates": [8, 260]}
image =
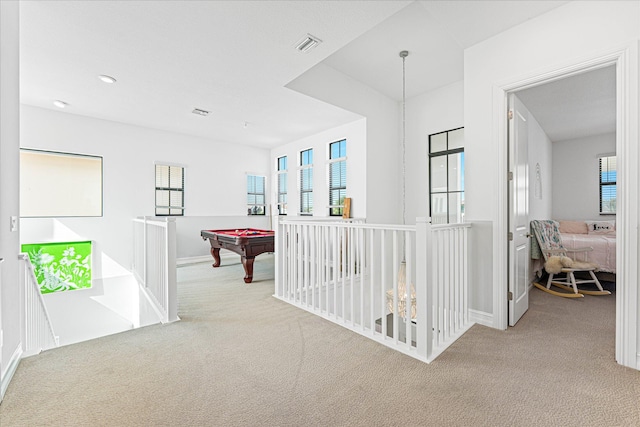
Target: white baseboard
{"type": "Point", "coordinates": [11, 370]}
{"type": "Point", "coordinates": [206, 258]}
{"type": "Point", "coordinates": [481, 318]}
{"type": "Point", "coordinates": [193, 260]}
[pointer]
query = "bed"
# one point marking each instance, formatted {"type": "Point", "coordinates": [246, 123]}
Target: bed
{"type": "Point", "coordinates": [599, 235]}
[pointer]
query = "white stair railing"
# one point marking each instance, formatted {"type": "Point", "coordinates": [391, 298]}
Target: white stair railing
{"type": "Point", "coordinates": [403, 286]}
{"type": "Point", "coordinates": [154, 264]}
{"type": "Point", "coordinates": [38, 330]}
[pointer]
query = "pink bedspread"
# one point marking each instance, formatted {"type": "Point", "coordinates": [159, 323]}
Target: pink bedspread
{"type": "Point", "coordinates": [604, 249]}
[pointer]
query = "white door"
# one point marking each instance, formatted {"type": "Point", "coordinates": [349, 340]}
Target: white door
{"type": "Point", "coordinates": [518, 211]}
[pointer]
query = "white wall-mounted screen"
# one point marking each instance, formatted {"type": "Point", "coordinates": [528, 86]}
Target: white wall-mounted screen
{"type": "Point", "coordinates": [60, 184]}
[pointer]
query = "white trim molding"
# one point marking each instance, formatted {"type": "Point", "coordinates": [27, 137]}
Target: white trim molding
{"type": "Point", "coordinates": [12, 367]}
{"type": "Point", "coordinates": [625, 57]}
{"type": "Point", "coordinates": [481, 317]}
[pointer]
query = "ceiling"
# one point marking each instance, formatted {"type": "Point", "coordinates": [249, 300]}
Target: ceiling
{"type": "Point", "coordinates": [575, 107]}
{"type": "Point", "coordinates": [234, 58]}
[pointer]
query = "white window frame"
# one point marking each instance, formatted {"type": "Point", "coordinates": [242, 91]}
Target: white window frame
{"type": "Point", "coordinates": [330, 161]}
{"type": "Point", "coordinates": [282, 175]}
{"type": "Point", "coordinates": [601, 157]}
{"type": "Point", "coordinates": [251, 207]}
{"type": "Point", "coordinates": [448, 193]}
{"type": "Point", "coordinates": [302, 168]}
{"type": "Point", "coordinates": [171, 189]}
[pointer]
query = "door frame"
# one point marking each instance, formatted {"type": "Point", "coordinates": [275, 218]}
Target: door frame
{"type": "Point", "coordinates": [627, 132]}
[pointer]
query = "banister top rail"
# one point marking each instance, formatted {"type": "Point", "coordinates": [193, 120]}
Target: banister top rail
{"type": "Point", "coordinates": [356, 225]}
{"type": "Point", "coordinates": [327, 222]}
{"type": "Point", "coordinates": [161, 222]}
{"type": "Point", "coordinates": [456, 225]}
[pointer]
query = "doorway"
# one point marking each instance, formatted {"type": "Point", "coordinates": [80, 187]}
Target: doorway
{"type": "Point", "coordinates": [559, 131]}
{"type": "Point", "coordinates": [625, 61]}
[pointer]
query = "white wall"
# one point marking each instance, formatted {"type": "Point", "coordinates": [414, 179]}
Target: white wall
{"type": "Point", "coordinates": [540, 153]}
{"type": "Point", "coordinates": [576, 194]}
{"type": "Point", "coordinates": [432, 112]}
{"type": "Point", "coordinates": [355, 134]}
{"type": "Point", "coordinates": [215, 180]}
{"type": "Point", "coordinates": [571, 34]}
{"type": "Point", "coordinates": [383, 142]}
{"type": "Point", "coordinates": [10, 291]}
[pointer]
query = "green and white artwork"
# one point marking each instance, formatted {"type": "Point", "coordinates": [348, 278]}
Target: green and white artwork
{"type": "Point", "coordinates": [60, 266]}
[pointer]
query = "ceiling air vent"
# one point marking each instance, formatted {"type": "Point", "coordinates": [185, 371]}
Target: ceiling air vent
{"type": "Point", "coordinates": [200, 112]}
{"type": "Point", "coordinates": [307, 43]}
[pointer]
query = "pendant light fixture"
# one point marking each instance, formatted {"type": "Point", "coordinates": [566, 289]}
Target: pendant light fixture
{"type": "Point", "coordinates": [402, 272]}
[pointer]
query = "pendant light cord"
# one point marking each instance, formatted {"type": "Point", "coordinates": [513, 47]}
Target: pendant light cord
{"type": "Point", "coordinates": [403, 55]}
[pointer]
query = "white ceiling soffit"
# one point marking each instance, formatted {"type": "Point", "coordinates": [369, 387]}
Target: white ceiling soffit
{"type": "Point", "coordinates": [472, 21]}
{"type": "Point", "coordinates": [231, 58]}
{"type": "Point", "coordinates": [435, 33]}
{"type": "Point", "coordinates": [434, 60]}
{"type": "Point", "coordinates": [575, 107]}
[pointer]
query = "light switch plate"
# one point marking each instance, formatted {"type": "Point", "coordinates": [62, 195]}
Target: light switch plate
{"type": "Point", "coordinates": [14, 223]}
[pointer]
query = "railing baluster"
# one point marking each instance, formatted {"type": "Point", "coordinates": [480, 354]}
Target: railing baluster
{"type": "Point", "coordinates": [408, 287]}
{"type": "Point", "coordinates": [383, 288]}
{"type": "Point", "coordinates": [324, 258]}
{"type": "Point", "coordinates": [157, 274]}
{"type": "Point", "coordinates": [351, 273]}
{"type": "Point", "coordinates": [38, 330]}
{"type": "Point", "coordinates": [372, 280]}
{"type": "Point", "coordinates": [361, 245]}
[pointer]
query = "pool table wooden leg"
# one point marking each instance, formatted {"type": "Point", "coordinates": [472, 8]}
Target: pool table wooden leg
{"type": "Point", "coordinates": [215, 253]}
{"type": "Point", "coordinates": [247, 263]}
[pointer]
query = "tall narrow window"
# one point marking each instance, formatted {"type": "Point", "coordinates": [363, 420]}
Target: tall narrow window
{"type": "Point", "coordinates": [446, 176]}
{"type": "Point", "coordinates": [306, 182]}
{"type": "Point", "coordinates": [169, 190]}
{"type": "Point", "coordinates": [337, 177]}
{"type": "Point", "coordinates": [282, 185]}
{"type": "Point", "coordinates": [608, 175]}
{"type": "Point", "coordinates": [255, 195]}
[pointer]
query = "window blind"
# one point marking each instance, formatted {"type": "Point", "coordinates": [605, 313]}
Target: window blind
{"type": "Point", "coordinates": [607, 175]}
{"type": "Point", "coordinates": [169, 190]}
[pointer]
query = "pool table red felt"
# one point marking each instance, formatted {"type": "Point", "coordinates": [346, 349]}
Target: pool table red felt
{"type": "Point", "coordinates": [246, 242]}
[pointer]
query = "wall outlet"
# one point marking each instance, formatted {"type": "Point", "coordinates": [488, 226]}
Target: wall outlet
{"type": "Point", "coordinates": [14, 223]}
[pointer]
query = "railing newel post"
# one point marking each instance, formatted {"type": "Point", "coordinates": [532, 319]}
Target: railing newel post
{"type": "Point", "coordinates": [424, 337]}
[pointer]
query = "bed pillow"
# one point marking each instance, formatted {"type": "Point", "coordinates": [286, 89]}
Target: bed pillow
{"type": "Point", "coordinates": [601, 227]}
{"type": "Point", "coordinates": [573, 227]}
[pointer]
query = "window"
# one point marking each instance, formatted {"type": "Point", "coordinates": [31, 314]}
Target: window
{"type": "Point", "coordinates": [60, 184]}
{"type": "Point", "coordinates": [608, 172]}
{"type": "Point", "coordinates": [306, 182]}
{"type": "Point", "coordinates": [446, 176]}
{"type": "Point", "coordinates": [282, 185]}
{"type": "Point", "coordinates": [169, 190]}
{"type": "Point", "coordinates": [337, 177]}
{"type": "Point", "coordinates": [255, 195]}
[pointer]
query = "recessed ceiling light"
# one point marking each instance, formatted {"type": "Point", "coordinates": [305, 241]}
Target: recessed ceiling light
{"type": "Point", "coordinates": [200, 112]}
{"type": "Point", "coordinates": [307, 43]}
{"type": "Point", "coordinates": [60, 104]}
{"type": "Point", "coordinates": [106, 79]}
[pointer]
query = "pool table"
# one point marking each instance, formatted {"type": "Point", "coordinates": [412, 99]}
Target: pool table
{"type": "Point", "coordinates": [246, 242]}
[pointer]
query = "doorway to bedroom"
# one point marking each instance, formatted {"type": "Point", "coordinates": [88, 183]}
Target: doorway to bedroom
{"type": "Point", "coordinates": [565, 170]}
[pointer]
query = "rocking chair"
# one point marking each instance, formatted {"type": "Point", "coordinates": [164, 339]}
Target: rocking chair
{"type": "Point", "coordinates": [557, 261]}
